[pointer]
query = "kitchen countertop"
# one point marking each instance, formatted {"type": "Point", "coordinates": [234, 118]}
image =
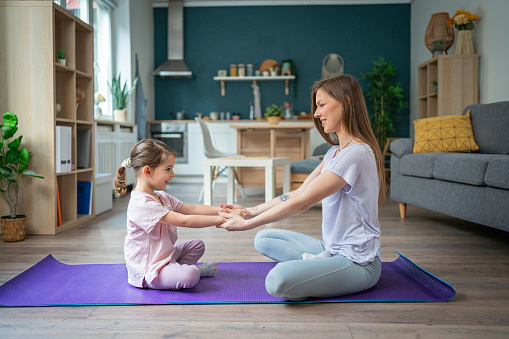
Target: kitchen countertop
{"type": "Point", "coordinates": [244, 121]}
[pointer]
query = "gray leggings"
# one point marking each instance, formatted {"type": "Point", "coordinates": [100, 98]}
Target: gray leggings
{"type": "Point", "coordinates": [296, 279]}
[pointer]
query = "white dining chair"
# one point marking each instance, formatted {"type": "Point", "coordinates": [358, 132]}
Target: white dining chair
{"type": "Point", "coordinates": [211, 151]}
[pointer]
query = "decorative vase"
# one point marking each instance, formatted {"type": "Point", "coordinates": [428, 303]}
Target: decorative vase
{"type": "Point", "coordinates": [120, 115]}
{"type": "Point", "coordinates": [464, 43]}
{"type": "Point", "coordinates": [273, 120]}
{"type": "Point", "coordinates": [62, 61]}
{"type": "Point", "coordinates": [13, 229]}
{"type": "Point", "coordinates": [97, 112]}
{"type": "Point", "coordinates": [438, 30]}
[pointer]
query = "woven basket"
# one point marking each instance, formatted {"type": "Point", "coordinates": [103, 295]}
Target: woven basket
{"type": "Point", "coordinates": [14, 229]}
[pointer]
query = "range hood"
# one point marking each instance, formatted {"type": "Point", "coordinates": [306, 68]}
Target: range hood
{"type": "Point", "coordinates": [175, 66]}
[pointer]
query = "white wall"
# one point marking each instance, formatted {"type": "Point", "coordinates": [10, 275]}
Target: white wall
{"type": "Point", "coordinates": [133, 33]}
{"type": "Point", "coordinates": [490, 38]}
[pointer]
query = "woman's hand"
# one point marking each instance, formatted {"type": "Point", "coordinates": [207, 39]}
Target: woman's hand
{"type": "Point", "coordinates": [234, 222]}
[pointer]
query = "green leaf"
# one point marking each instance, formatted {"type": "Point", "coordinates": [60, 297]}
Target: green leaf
{"type": "Point", "coordinates": [5, 172]}
{"type": "Point", "coordinates": [15, 143]}
{"type": "Point", "coordinates": [10, 119]}
{"type": "Point", "coordinates": [24, 156]}
{"type": "Point", "coordinates": [8, 132]}
{"type": "Point", "coordinates": [12, 156]}
{"type": "Point", "coordinates": [32, 174]}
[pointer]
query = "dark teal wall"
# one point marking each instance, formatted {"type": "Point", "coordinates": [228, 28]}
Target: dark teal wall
{"type": "Point", "coordinates": [215, 37]}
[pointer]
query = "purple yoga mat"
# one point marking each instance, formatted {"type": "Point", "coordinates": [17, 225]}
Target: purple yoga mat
{"type": "Point", "coordinates": [52, 283]}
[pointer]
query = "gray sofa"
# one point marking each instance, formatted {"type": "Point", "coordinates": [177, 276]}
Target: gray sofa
{"type": "Point", "coordinates": [469, 186]}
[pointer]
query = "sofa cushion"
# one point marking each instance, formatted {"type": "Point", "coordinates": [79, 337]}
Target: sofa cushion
{"type": "Point", "coordinates": [490, 123]}
{"type": "Point", "coordinates": [450, 133]}
{"type": "Point", "coordinates": [304, 166]}
{"type": "Point", "coordinates": [403, 146]}
{"type": "Point", "coordinates": [497, 173]}
{"type": "Point", "coordinates": [418, 165]}
{"type": "Point", "coordinates": [462, 168]}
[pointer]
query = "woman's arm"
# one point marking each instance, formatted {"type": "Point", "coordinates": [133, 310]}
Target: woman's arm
{"type": "Point", "coordinates": [317, 188]}
{"type": "Point", "coordinates": [259, 209]}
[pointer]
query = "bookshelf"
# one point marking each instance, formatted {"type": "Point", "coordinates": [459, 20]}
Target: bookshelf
{"type": "Point", "coordinates": [34, 84]}
{"type": "Point", "coordinates": [456, 77]}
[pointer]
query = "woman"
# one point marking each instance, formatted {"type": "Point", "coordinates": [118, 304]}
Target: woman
{"type": "Point", "coordinates": [351, 185]}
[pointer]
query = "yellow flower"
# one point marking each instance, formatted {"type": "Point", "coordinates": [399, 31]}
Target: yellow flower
{"type": "Point", "coordinates": [98, 97]}
{"type": "Point", "coordinates": [462, 20]}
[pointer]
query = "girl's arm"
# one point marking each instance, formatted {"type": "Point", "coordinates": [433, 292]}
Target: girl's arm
{"type": "Point", "coordinates": [315, 190]}
{"type": "Point", "coordinates": [192, 220]}
{"type": "Point", "coordinates": [190, 209]}
{"type": "Point", "coordinates": [259, 209]}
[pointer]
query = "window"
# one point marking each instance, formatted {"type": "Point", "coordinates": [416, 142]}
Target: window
{"type": "Point", "coordinates": [80, 8]}
{"type": "Point", "coordinates": [101, 22]}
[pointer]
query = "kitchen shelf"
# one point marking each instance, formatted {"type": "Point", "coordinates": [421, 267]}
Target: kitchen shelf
{"type": "Point", "coordinates": [254, 79]}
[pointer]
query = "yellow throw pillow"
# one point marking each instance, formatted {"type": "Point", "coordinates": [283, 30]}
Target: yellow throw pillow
{"type": "Point", "coordinates": [449, 133]}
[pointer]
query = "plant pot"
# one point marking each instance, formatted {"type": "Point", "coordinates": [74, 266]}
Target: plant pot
{"type": "Point", "coordinates": [13, 229]}
{"type": "Point", "coordinates": [120, 115]}
{"type": "Point", "coordinates": [62, 61]}
{"type": "Point", "coordinates": [273, 120]}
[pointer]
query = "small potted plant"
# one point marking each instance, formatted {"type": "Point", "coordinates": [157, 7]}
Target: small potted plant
{"type": "Point", "coordinates": [61, 56]}
{"type": "Point", "coordinates": [120, 96]}
{"type": "Point", "coordinates": [437, 47]}
{"type": "Point", "coordinates": [273, 113]}
{"type": "Point", "coordinates": [13, 165]}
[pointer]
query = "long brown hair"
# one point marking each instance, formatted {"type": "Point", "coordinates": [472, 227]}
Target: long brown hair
{"type": "Point", "coordinates": [355, 120]}
{"type": "Point", "coordinates": [147, 152]}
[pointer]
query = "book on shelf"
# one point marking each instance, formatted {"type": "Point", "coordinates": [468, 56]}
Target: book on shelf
{"type": "Point", "coordinates": [85, 197]}
{"type": "Point", "coordinates": [83, 140]}
{"type": "Point", "coordinates": [59, 211]}
{"type": "Point", "coordinates": [63, 148]}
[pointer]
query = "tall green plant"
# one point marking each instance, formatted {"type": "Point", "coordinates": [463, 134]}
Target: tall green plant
{"type": "Point", "coordinates": [120, 93]}
{"type": "Point", "coordinates": [13, 161]}
{"type": "Point", "coordinates": [384, 99]}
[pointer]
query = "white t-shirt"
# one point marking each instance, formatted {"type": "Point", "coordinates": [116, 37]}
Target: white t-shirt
{"type": "Point", "coordinates": [350, 216]}
{"type": "Point", "coordinates": [149, 244]}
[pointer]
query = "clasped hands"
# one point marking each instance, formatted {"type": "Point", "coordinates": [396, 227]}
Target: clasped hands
{"type": "Point", "coordinates": [236, 217]}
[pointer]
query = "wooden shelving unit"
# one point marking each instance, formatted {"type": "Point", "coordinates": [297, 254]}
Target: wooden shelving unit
{"type": "Point", "coordinates": [35, 83]}
{"type": "Point", "coordinates": [254, 79]}
{"type": "Point", "coordinates": [456, 77]}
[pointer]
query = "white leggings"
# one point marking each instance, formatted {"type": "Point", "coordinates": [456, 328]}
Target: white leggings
{"type": "Point", "coordinates": [296, 279]}
{"type": "Point", "coordinates": [181, 271]}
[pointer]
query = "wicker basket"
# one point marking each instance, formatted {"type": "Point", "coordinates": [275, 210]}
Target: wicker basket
{"type": "Point", "coordinates": [13, 229]}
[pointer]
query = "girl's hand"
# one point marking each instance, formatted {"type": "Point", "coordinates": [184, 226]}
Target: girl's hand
{"type": "Point", "coordinates": [232, 206]}
{"type": "Point", "coordinates": [240, 212]}
{"type": "Point", "coordinates": [234, 222]}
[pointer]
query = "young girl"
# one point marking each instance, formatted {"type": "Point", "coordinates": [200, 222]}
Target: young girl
{"type": "Point", "coordinates": [152, 258]}
{"type": "Point", "coordinates": [350, 182]}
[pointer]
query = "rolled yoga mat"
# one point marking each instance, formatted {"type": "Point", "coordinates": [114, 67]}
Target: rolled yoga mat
{"type": "Point", "coordinates": [52, 283]}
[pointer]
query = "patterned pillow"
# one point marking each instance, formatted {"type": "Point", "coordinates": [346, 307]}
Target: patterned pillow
{"type": "Point", "coordinates": [449, 133]}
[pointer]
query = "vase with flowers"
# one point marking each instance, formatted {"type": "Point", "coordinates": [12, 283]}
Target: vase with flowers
{"type": "Point", "coordinates": [98, 98]}
{"type": "Point", "coordinates": [463, 21]}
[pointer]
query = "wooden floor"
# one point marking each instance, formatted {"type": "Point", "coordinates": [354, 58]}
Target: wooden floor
{"type": "Point", "coordinates": [473, 258]}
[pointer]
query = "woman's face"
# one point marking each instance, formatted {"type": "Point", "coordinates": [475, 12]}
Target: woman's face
{"type": "Point", "coordinates": [329, 111]}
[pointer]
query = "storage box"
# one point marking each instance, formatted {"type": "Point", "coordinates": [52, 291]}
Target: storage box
{"type": "Point", "coordinates": [103, 192]}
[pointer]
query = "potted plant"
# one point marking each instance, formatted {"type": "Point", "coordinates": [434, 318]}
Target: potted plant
{"type": "Point", "coordinates": [120, 96]}
{"type": "Point", "coordinates": [384, 99]}
{"type": "Point", "coordinates": [61, 56]}
{"type": "Point", "coordinates": [438, 47]}
{"type": "Point", "coordinates": [273, 113]}
{"type": "Point", "coordinates": [13, 165]}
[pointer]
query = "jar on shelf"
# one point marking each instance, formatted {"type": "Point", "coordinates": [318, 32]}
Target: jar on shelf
{"type": "Point", "coordinates": [288, 110]}
{"type": "Point", "coordinates": [233, 70]}
{"type": "Point", "coordinates": [249, 70]}
{"type": "Point", "coordinates": [241, 70]}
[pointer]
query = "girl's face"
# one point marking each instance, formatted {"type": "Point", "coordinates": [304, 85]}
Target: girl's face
{"type": "Point", "coordinates": [329, 111]}
{"type": "Point", "coordinates": [163, 173]}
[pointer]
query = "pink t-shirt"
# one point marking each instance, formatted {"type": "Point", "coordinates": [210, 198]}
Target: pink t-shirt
{"type": "Point", "coordinates": [149, 244]}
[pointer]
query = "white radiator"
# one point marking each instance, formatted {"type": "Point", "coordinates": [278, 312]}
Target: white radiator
{"type": "Point", "coordinates": [113, 143]}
